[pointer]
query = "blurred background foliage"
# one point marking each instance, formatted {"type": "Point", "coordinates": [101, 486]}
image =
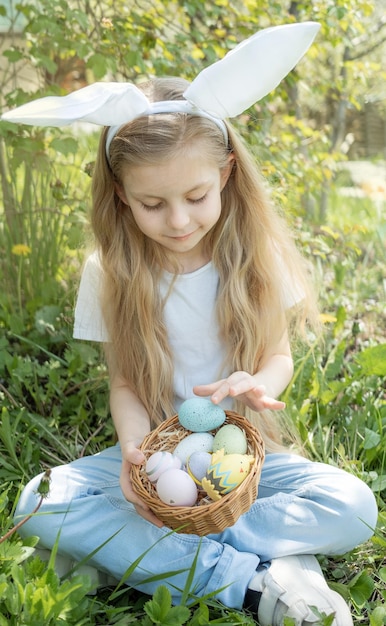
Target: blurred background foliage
{"type": "Point", "coordinates": [300, 133]}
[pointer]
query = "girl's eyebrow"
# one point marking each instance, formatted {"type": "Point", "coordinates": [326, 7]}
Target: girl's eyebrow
{"type": "Point", "coordinates": [202, 184]}
{"type": "Point", "coordinates": [153, 197]}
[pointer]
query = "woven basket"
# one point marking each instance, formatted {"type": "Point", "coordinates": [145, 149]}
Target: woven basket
{"type": "Point", "coordinates": [206, 516]}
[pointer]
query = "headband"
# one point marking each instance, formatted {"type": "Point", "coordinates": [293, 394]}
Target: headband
{"type": "Point", "coordinates": [167, 106]}
{"type": "Point", "coordinates": [224, 89]}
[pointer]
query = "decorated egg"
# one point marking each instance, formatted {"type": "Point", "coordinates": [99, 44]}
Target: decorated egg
{"type": "Point", "coordinates": [177, 488]}
{"type": "Point", "coordinates": [197, 465]}
{"type": "Point", "coordinates": [200, 415]}
{"type": "Point", "coordinates": [225, 473]}
{"type": "Point", "coordinates": [159, 462]}
{"type": "Point", "coordinates": [193, 443]}
{"type": "Point", "coordinates": [231, 439]}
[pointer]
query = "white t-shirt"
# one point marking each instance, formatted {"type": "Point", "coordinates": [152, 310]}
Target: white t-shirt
{"type": "Point", "coordinates": [189, 315]}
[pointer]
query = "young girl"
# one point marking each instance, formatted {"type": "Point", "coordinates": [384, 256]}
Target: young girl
{"type": "Point", "coordinates": [196, 287]}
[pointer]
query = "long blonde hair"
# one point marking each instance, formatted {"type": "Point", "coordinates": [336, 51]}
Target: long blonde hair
{"type": "Point", "coordinates": [250, 246]}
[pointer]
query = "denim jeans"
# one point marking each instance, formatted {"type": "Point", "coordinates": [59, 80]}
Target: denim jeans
{"type": "Point", "coordinates": [302, 507]}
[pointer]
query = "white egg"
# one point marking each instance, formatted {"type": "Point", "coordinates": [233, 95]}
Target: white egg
{"type": "Point", "coordinates": [202, 442]}
{"type": "Point", "coordinates": [177, 488]}
{"type": "Point", "coordinates": [159, 462]}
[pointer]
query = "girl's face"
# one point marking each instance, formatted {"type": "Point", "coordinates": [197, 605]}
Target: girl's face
{"type": "Point", "coordinates": [177, 203]}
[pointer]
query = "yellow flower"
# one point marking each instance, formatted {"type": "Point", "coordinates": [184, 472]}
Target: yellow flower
{"type": "Point", "coordinates": [107, 23]}
{"type": "Point", "coordinates": [327, 318]}
{"type": "Point", "coordinates": [21, 249]}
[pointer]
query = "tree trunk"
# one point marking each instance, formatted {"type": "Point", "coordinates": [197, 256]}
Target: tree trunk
{"type": "Point", "coordinates": [12, 218]}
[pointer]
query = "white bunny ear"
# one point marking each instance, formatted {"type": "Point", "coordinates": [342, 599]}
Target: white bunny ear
{"type": "Point", "coordinates": [251, 70]}
{"type": "Point", "coordinates": [225, 89]}
{"type": "Point", "coordinates": [100, 103]}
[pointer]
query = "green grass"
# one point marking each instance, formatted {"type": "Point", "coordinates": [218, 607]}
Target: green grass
{"type": "Point", "coordinates": [53, 394]}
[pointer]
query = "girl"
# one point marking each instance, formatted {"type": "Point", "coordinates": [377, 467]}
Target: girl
{"type": "Point", "coordinates": [196, 287]}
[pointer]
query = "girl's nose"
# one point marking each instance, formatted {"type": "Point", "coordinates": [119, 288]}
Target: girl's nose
{"type": "Point", "coordinates": [178, 217]}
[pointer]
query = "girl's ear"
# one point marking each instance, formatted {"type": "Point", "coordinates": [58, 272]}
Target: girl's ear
{"type": "Point", "coordinates": [119, 190]}
{"type": "Point", "coordinates": [227, 170]}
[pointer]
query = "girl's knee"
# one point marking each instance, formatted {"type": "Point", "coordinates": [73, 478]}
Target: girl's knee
{"type": "Point", "coordinates": [367, 509]}
{"type": "Point", "coordinates": [29, 504]}
{"type": "Point", "coordinates": [359, 511]}
{"type": "Point", "coordinates": [29, 499]}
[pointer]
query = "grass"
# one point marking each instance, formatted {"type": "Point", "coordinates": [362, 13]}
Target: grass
{"type": "Point", "coordinates": [53, 394]}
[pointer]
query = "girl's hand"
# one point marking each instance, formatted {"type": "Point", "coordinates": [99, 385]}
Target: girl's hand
{"type": "Point", "coordinates": [243, 386]}
{"type": "Point", "coordinates": [131, 455]}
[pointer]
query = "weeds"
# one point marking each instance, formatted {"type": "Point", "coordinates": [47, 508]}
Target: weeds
{"type": "Point", "coordinates": [54, 408]}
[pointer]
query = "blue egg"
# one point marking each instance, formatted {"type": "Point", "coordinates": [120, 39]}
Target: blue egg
{"type": "Point", "coordinates": [200, 415]}
{"type": "Point", "coordinates": [197, 465]}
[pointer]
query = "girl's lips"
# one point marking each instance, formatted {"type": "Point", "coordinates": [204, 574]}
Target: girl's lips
{"type": "Point", "coordinates": [182, 237]}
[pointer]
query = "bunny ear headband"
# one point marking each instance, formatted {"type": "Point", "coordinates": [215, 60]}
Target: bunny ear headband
{"type": "Point", "coordinates": [225, 89]}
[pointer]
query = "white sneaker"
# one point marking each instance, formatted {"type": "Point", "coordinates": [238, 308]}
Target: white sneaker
{"type": "Point", "coordinates": [294, 586]}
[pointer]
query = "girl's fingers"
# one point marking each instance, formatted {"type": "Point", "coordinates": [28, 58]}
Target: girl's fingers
{"type": "Point", "coordinates": [140, 506]}
{"type": "Point", "coordinates": [274, 405]}
{"type": "Point", "coordinates": [239, 388]}
{"type": "Point", "coordinates": [148, 515]}
{"type": "Point", "coordinates": [127, 488]}
{"type": "Point", "coordinates": [237, 385]}
{"type": "Point", "coordinates": [207, 390]}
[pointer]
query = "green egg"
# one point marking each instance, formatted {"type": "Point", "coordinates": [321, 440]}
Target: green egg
{"type": "Point", "coordinates": [231, 439]}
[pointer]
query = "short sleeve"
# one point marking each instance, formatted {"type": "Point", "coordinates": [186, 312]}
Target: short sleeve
{"type": "Point", "coordinates": [291, 293]}
{"type": "Point", "coordinates": [89, 323]}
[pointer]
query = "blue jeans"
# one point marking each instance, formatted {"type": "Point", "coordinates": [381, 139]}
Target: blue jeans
{"type": "Point", "coordinates": [302, 507]}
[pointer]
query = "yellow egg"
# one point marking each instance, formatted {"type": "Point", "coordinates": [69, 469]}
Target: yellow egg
{"type": "Point", "coordinates": [225, 473]}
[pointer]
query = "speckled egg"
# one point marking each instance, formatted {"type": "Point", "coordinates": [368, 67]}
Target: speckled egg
{"type": "Point", "coordinates": [193, 443]}
{"type": "Point", "coordinates": [197, 465]}
{"type": "Point", "coordinates": [225, 473]}
{"type": "Point", "coordinates": [160, 462]}
{"type": "Point", "coordinates": [176, 488]}
{"type": "Point", "coordinates": [231, 439]}
{"type": "Point", "coordinates": [200, 415]}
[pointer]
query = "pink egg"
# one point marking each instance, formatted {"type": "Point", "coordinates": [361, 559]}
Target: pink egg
{"type": "Point", "coordinates": [160, 462]}
{"type": "Point", "coordinates": [177, 488]}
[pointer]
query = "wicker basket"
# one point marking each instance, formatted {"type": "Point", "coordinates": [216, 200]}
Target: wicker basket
{"type": "Point", "coordinates": [206, 516]}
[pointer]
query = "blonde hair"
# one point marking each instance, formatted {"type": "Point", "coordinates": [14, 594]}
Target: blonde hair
{"type": "Point", "coordinates": [250, 246]}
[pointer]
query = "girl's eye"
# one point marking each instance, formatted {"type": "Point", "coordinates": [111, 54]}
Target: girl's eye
{"type": "Point", "coordinates": [151, 207]}
{"type": "Point", "coordinates": [158, 206]}
{"type": "Point", "coordinates": [198, 200]}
